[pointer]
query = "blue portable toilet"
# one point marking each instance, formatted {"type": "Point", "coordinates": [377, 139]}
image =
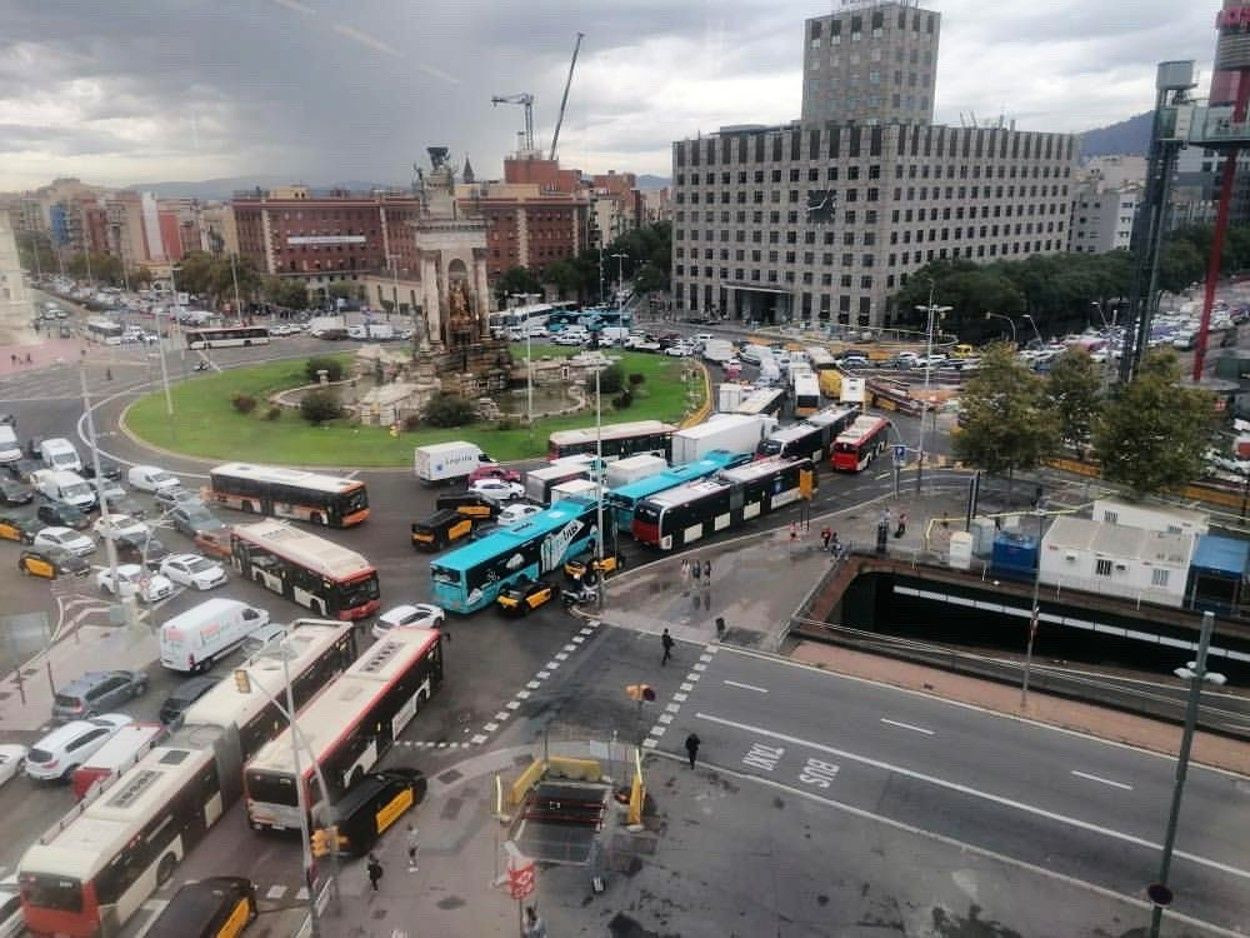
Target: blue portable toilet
{"type": "Point", "coordinates": [1015, 555]}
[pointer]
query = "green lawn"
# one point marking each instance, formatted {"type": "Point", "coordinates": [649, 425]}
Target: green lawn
{"type": "Point", "coordinates": [205, 423]}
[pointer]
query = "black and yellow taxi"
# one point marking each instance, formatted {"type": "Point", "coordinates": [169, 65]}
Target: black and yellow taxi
{"type": "Point", "coordinates": [51, 562]}
{"type": "Point", "coordinates": [216, 907]}
{"type": "Point", "coordinates": [371, 806]}
{"type": "Point", "coordinates": [523, 597]}
{"type": "Point", "coordinates": [440, 530]}
{"type": "Point", "coordinates": [468, 504]}
{"type": "Point", "coordinates": [19, 528]}
{"type": "Point", "coordinates": [578, 566]}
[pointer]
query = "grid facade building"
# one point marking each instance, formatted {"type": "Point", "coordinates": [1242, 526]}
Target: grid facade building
{"type": "Point", "coordinates": [825, 221]}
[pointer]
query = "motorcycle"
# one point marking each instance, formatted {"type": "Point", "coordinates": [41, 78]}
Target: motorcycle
{"type": "Point", "coordinates": [201, 365]}
{"type": "Point", "coordinates": [576, 596]}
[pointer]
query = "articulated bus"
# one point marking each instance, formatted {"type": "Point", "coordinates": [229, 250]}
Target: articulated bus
{"type": "Point", "coordinates": [289, 493]}
{"type": "Point", "coordinates": [624, 501]}
{"type": "Point", "coordinates": [227, 337]}
{"type": "Point", "coordinates": [765, 402]}
{"type": "Point", "coordinates": [812, 438]}
{"type": "Point", "coordinates": [806, 394]}
{"type": "Point", "coordinates": [103, 330]}
{"type": "Point", "coordinates": [87, 875]}
{"type": "Point", "coordinates": [861, 443]}
{"type": "Point", "coordinates": [619, 440]}
{"type": "Point", "coordinates": [471, 578]}
{"type": "Point", "coordinates": [688, 513]}
{"type": "Point", "coordinates": [309, 570]}
{"type": "Point", "coordinates": [349, 727]}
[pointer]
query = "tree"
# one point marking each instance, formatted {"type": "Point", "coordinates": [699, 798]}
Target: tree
{"type": "Point", "coordinates": [1007, 424]}
{"type": "Point", "coordinates": [515, 280]}
{"type": "Point", "coordinates": [292, 294]}
{"type": "Point", "coordinates": [611, 380]}
{"type": "Point", "coordinates": [331, 366]}
{"type": "Point", "coordinates": [141, 277]}
{"type": "Point", "coordinates": [449, 410]}
{"type": "Point", "coordinates": [1155, 434]}
{"type": "Point", "coordinates": [1180, 265]}
{"type": "Point", "coordinates": [343, 290]}
{"type": "Point", "coordinates": [1072, 388]}
{"type": "Point", "coordinates": [564, 276]}
{"type": "Point", "coordinates": [319, 406]}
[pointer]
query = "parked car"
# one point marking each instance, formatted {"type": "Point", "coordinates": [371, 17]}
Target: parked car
{"type": "Point", "coordinates": [62, 515]}
{"type": "Point", "coordinates": [13, 492]}
{"type": "Point", "coordinates": [19, 528]}
{"type": "Point", "coordinates": [56, 755]}
{"type": "Point", "coordinates": [51, 562]}
{"type": "Point", "coordinates": [570, 339]}
{"type": "Point", "coordinates": [192, 520]}
{"type": "Point", "coordinates": [12, 759]}
{"type": "Point", "coordinates": [151, 479]}
{"type": "Point", "coordinates": [194, 571]}
{"type": "Point", "coordinates": [185, 694]}
{"type": "Point", "coordinates": [73, 541]}
{"type": "Point", "coordinates": [133, 579]}
{"type": "Point", "coordinates": [497, 490]}
{"type": "Point", "coordinates": [516, 513]}
{"type": "Point", "coordinates": [415, 615]}
{"type": "Point", "coordinates": [95, 692]}
{"type": "Point", "coordinates": [115, 526]}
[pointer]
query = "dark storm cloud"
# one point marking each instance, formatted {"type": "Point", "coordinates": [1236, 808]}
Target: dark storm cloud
{"type": "Point", "coordinates": [325, 89]}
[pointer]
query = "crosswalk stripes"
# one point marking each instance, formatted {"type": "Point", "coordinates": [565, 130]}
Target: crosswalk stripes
{"type": "Point", "coordinates": [673, 707]}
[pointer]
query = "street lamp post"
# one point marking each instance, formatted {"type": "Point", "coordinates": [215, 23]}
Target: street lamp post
{"type": "Point", "coordinates": [238, 303]}
{"type": "Point", "coordinates": [620, 277]}
{"type": "Point", "coordinates": [599, 478]}
{"type": "Point", "coordinates": [1196, 673]}
{"type": "Point", "coordinates": [1036, 332]}
{"type": "Point", "coordinates": [394, 260]}
{"type": "Point", "coordinates": [1035, 615]}
{"type": "Point", "coordinates": [933, 313]}
{"type": "Point", "coordinates": [1011, 322]}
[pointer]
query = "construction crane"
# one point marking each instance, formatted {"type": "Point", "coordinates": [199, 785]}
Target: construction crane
{"type": "Point", "coordinates": [555, 137]}
{"type": "Point", "coordinates": [526, 100]}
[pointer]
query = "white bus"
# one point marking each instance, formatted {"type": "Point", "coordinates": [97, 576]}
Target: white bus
{"type": "Point", "coordinates": [227, 336]}
{"type": "Point", "coordinates": [289, 493]}
{"type": "Point", "coordinates": [98, 864]}
{"type": "Point", "coordinates": [103, 330]}
{"type": "Point", "coordinates": [350, 726]}
{"type": "Point", "coordinates": [806, 394]}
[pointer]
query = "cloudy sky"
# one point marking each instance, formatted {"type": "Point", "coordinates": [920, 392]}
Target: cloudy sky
{"type": "Point", "coordinates": [325, 90]}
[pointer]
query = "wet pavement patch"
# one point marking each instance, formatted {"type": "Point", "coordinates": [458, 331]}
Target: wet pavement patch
{"type": "Point", "coordinates": [451, 775]}
{"type": "Point", "coordinates": [946, 925]}
{"type": "Point", "coordinates": [451, 809]}
{"type": "Point", "coordinates": [450, 902]}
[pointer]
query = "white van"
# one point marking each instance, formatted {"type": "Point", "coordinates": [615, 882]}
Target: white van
{"type": "Point", "coordinates": [64, 486]}
{"type": "Point", "coordinates": [59, 453]}
{"type": "Point", "coordinates": [195, 639]}
{"type": "Point", "coordinates": [10, 449]}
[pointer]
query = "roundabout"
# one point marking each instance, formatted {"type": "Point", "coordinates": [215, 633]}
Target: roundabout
{"type": "Point", "coordinates": [205, 423]}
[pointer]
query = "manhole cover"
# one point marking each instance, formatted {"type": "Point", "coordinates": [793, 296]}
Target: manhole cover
{"type": "Point", "coordinates": [451, 775]}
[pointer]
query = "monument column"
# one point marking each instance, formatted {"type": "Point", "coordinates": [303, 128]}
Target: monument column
{"type": "Point", "coordinates": [482, 291]}
{"type": "Point", "coordinates": [429, 297]}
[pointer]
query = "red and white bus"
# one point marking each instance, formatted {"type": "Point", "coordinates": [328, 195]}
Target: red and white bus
{"type": "Point", "coordinates": [330, 580]}
{"type": "Point", "coordinates": [127, 747]}
{"type": "Point", "coordinates": [861, 443]}
{"type": "Point", "coordinates": [619, 440]}
{"type": "Point", "coordinates": [87, 875]}
{"type": "Point", "coordinates": [680, 516]}
{"type": "Point", "coordinates": [347, 729]}
{"type": "Point", "coordinates": [289, 493]}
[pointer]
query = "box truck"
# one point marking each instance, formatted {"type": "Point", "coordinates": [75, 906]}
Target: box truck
{"type": "Point", "coordinates": [577, 489]}
{"type": "Point", "coordinates": [734, 433]}
{"type": "Point", "coordinates": [443, 462]}
{"type": "Point", "coordinates": [729, 396]}
{"type": "Point", "coordinates": [718, 351]}
{"type": "Point", "coordinates": [540, 482]}
{"type": "Point", "coordinates": [633, 468]}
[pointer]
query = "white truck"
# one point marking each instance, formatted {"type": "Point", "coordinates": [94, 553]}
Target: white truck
{"type": "Point", "coordinates": [633, 468]}
{"type": "Point", "coordinates": [718, 351]}
{"type": "Point", "coordinates": [736, 433]}
{"type": "Point", "coordinates": [193, 640]}
{"type": "Point", "coordinates": [443, 462]}
{"type": "Point", "coordinates": [582, 490]}
{"type": "Point", "coordinates": [62, 485]}
{"type": "Point", "coordinates": [540, 482]}
{"type": "Point", "coordinates": [59, 453]}
{"type": "Point", "coordinates": [729, 396]}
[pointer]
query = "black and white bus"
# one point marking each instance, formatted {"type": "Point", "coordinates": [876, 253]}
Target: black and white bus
{"type": "Point", "coordinates": [813, 438]}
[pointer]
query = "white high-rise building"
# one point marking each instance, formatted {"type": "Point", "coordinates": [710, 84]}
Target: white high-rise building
{"type": "Point", "coordinates": [16, 311]}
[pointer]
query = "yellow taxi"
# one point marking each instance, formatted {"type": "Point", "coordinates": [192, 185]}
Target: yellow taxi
{"type": "Point", "coordinates": [577, 567]}
{"type": "Point", "coordinates": [51, 562]}
{"type": "Point", "coordinates": [22, 530]}
{"type": "Point", "coordinates": [520, 599]}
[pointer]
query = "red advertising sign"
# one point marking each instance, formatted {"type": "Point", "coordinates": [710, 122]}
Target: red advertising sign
{"type": "Point", "coordinates": [521, 880]}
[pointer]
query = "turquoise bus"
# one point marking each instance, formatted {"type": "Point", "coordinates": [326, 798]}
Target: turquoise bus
{"type": "Point", "coordinates": [470, 578]}
{"type": "Point", "coordinates": [623, 500]}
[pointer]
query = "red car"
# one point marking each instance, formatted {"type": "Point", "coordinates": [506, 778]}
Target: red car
{"type": "Point", "coordinates": [493, 470]}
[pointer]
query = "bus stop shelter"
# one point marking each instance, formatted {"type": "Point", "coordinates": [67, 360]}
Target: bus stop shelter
{"type": "Point", "coordinates": [1217, 573]}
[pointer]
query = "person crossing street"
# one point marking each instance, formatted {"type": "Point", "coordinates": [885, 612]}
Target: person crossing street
{"type": "Point", "coordinates": [667, 641]}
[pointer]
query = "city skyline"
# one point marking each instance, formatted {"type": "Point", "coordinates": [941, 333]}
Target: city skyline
{"type": "Point", "coordinates": [326, 89]}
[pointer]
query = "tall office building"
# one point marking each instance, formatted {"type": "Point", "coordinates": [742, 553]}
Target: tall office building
{"type": "Point", "coordinates": [871, 64]}
{"type": "Point", "coordinates": [826, 217]}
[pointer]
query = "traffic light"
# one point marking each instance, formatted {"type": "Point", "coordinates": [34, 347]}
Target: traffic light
{"type": "Point", "coordinates": [243, 681]}
{"type": "Point", "coordinates": [640, 692]}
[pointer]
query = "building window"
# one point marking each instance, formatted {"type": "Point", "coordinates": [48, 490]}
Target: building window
{"type": "Point", "coordinates": [1159, 577]}
{"type": "Point", "coordinates": [1102, 568]}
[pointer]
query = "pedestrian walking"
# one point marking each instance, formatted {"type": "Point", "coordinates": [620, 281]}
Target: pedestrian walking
{"type": "Point", "coordinates": [685, 572]}
{"type": "Point", "coordinates": [695, 571]}
{"type": "Point", "coordinates": [825, 535]}
{"type": "Point", "coordinates": [692, 748]}
{"type": "Point", "coordinates": [534, 926]}
{"type": "Point", "coordinates": [413, 844]}
{"type": "Point", "coordinates": [374, 868]}
{"type": "Point", "coordinates": [902, 525]}
{"type": "Point", "coordinates": [707, 573]}
{"type": "Point", "coordinates": [29, 360]}
{"type": "Point", "coordinates": [835, 546]}
{"type": "Point", "coordinates": [667, 641]}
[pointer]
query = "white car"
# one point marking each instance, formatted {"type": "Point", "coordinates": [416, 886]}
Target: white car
{"type": "Point", "coordinates": [119, 526]}
{"type": "Point", "coordinates": [413, 616]}
{"type": "Point", "coordinates": [679, 351]}
{"type": "Point", "coordinates": [12, 758]}
{"type": "Point", "coordinates": [496, 490]}
{"type": "Point", "coordinates": [151, 478]}
{"type": "Point", "coordinates": [194, 571]}
{"type": "Point", "coordinates": [12, 921]}
{"type": "Point", "coordinates": [516, 513]}
{"type": "Point", "coordinates": [70, 745]}
{"type": "Point", "coordinates": [566, 338]}
{"type": "Point", "coordinates": [134, 580]}
{"type": "Point", "coordinates": [73, 541]}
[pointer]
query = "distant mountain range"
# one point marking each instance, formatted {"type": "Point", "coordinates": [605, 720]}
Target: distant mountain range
{"type": "Point", "coordinates": [1129, 137]}
{"type": "Point", "coordinates": [648, 181]}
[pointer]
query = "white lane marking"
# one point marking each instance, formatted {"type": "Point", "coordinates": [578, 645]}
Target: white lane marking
{"type": "Point", "coordinates": [534, 685]}
{"type": "Point", "coordinates": [1133, 900]}
{"type": "Point", "coordinates": [275, 892]}
{"type": "Point", "coordinates": [650, 743]}
{"type": "Point", "coordinates": [758, 690]}
{"type": "Point", "coordinates": [1100, 779]}
{"type": "Point", "coordinates": [665, 718]}
{"type": "Point", "coordinates": [502, 715]}
{"type": "Point", "coordinates": [907, 726]}
{"type": "Point", "coordinates": [687, 688]}
{"type": "Point", "coordinates": [478, 739]}
{"type": "Point", "coordinates": [976, 793]}
{"type": "Point", "coordinates": [491, 726]}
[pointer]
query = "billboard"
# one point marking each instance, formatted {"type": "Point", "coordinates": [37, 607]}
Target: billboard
{"type": "Point", "coordinates": [325, 239]}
